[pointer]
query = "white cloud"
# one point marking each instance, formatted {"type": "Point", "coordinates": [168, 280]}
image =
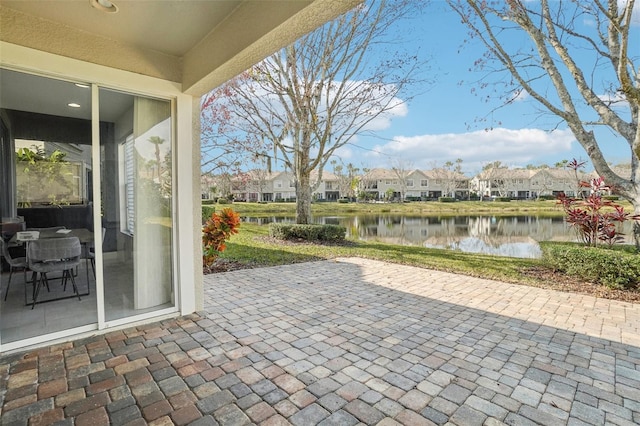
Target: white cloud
{"type": "Point", "coordinates": [520, 95]}
{"type": "Point", "coordinates": [615, 99]}
{"type": "Point", "coordinates": [512, 147]}
{"type": "Point", "coordinates": [383, 120]}
{"type": "Point", "coordinates": [635, 13]}
{"type": "Point", "coordinates": [346, 154]}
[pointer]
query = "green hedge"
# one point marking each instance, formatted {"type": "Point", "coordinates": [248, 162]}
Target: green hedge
{"type": "Point", "coordinates": [207, 211]}
{"type": "Point", "coordinates": [292, 231]}
{"type": "Point", "coordinates": [615, 268]}
{"type": "Point", "coordinates": [502, 199]}
{"type": "Point", "coordinates": [446, 199]}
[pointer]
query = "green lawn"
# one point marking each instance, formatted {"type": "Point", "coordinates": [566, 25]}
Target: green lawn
{"type": "Point", "coordinates": [549, 207]}
{"type": "Point", "coordinates": [252, 247]}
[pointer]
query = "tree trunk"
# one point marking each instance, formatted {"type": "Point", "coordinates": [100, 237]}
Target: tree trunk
{"type": "Point", "coordinates": [636, 223]}
{"type": "Point", "coordinates": [303, 198]}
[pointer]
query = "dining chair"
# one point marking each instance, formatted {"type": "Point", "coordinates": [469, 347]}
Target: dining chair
{"type": "Point", "coordinates": [53, 255]}
{"type": "Point", "coordinates": [14, 263]}
{"type": "Point", "coordinates": [89, 254]}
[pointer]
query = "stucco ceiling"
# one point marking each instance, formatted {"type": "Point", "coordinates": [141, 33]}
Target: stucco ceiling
{"type": "Point", "coordinates": [199, 44]}
{"type": "Point", "coordinates": [169, 27]}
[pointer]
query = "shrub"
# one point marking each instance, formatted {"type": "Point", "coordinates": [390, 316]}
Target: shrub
{"type": "Point", "coordinates": [207, 211]}
{"type": "Point", "coordinates": [314, 232]}
{"type": "Point", "coordinates": [502, 199]}
{"type": "Point", "coordinates": [344, 200]}
{"type": "Point", "coordinates": [216, 231]}
{"type": "Point", "coordinates": [223, 200]}
{"type": "Point", "coordinates": [446, 199]}
{"type": "Point", "coordinates": [606, 266]}
{"type": "Point", "coordinates": [595, 218]}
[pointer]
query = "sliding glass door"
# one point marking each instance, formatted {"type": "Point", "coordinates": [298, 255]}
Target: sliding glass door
{"type": "Point", "coordinates": [46, 171]}
{"type": "Point", "coordinates": [104, 174]}
{"type": "Point", "coordinates": [136, 184]}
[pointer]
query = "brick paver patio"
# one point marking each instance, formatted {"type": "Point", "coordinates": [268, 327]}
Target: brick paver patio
{"type": "Point", "coordinates": [345, 342]}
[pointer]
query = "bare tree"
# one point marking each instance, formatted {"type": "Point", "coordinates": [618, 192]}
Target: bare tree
{"type": "Point", "coordinates": [450, 174]}
{"type": "Point", "coordinates": [347, 178]}
{"type": "Point", "coordinates": [583, 74]}
{"type": "Point", "coordinates": [224, 185]}
{"type": "Point", "coordinates": [495, 176]}
{"type": "Point", "coordinates": [222, 151]}
{"type": "Point", "coordinates": [367, 184]}
{"type": "Point", "coordinates": [258, 181]}
{"type": "Point", "coordinates": [313, 97]}
{"type": "Point", "coordinates": [402, 169]}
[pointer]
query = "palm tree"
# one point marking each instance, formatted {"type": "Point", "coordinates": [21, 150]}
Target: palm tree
{"type": "Point", "coordinates": [157, 141]}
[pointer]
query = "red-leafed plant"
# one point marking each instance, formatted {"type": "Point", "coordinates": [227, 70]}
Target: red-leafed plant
{"type": "Point", "coordinates": [216, 231]}
{"type": "Point", "coordinates": [595, 218]}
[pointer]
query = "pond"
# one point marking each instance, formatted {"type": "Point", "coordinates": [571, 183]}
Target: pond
{"type": "Point", "coordinates": [513, 236]}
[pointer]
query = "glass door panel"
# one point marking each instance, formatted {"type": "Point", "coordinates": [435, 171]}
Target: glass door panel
{"type": "Point", "coordinates": [45, 172]}
{"type": "Point", "coordinates": [136, 183]}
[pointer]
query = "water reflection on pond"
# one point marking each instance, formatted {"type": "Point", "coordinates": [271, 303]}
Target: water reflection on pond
{"type": "Point", "coordinates": [514, 236]}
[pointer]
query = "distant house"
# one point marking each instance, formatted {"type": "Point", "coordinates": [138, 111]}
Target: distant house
{"type": "Point", "coordinates": [386, 184]}
{"type": "Point", "coordinates": [447, 183]}
{"type": "Point", "coordinates": [527, 183]}
{"type": "Point", "coordinates": [504, 182]}
{"type": "Point", "coordinates": [260, 185]}
{"type": "Point", "coordinates": [417, 185]}
{"type": "Point", "coordinates": [554, 181]}
{"type": "Point", "coordinates": [330, 188]}
{"type": "Point", "coordinates": [379, 183]}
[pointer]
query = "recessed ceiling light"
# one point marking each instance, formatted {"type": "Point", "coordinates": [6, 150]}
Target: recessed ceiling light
{"type": "Point", "coordinates": [74, 105]}
{"type": "Point", "coordinates": [84, 86]}
{"type": "Point", "coordinates": [104, 6]}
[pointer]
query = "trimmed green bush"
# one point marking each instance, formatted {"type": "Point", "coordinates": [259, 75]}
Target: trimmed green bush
{"type": "Point", "coordinates": [208, 202]}
{"type": "Point", "coordinates": [293, 231]}
{"type": "Point", "coordinates": [223, 200]}
{"type": "Point", "coordinates": [615, 268]}
{"type": "Point", "coordinates": [207, 211]}
{"type": "Point", "coordinates": [446, 200]}
{"type": "Point", "coordinates": [503, 199]}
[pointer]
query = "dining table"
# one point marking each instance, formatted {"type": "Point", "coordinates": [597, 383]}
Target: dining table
{"type": "Point", "coordinates": [85, 236]}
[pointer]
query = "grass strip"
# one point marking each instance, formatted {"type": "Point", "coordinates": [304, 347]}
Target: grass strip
{"type": "Point", "coordinates": [253, 247]}
{"type": "Point", "coordinates": [548, 207]}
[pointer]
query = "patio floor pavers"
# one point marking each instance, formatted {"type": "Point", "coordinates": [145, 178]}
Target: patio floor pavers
{"type": "Point", "coordinates": [345, 342]}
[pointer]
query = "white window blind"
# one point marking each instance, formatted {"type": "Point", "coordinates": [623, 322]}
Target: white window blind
{"type": "Point", "coordinates": [129, 179]}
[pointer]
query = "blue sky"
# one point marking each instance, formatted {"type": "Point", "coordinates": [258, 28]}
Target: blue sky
{"type": "Point", "coordinates": [439, 125]}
